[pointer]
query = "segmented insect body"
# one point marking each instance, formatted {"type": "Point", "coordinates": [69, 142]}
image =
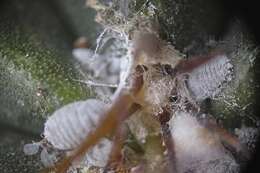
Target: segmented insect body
{"type": "Point", "coordinates": [67, 128]}
{"type": "Point", "coordinates": [70, 125]}
{"type": "Point", "coordinates": [207, 80]}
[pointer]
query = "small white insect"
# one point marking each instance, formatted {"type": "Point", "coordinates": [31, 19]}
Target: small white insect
{"type": "Point", "coordinates": [65, 130]}
{"type": "Point", "coordinates": [208, 79]}
{"type": "Point", "coordinates": [69, 125]}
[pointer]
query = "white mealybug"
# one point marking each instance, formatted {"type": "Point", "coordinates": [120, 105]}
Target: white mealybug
{"type": "Point", "coordinates": [69, 125]}
{"type": "Point", "coordinates": [66, 129]}
{"type": "Point", "coordinates": [207, 80]}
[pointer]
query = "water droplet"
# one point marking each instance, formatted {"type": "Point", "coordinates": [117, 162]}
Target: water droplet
{"type": "Point", "coordinates": [31, 149]}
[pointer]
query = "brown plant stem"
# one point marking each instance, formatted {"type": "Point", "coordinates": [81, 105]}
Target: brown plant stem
{"type": "Point", "coordinates": [187, 65]}
{"type": "Point", "coordinates": [116, 157]}
{"type": "Point", "coordinates": [164, 117]}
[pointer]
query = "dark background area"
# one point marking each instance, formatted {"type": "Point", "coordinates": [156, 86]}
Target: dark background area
{"type": "Point", "coordinates": [249, 12]}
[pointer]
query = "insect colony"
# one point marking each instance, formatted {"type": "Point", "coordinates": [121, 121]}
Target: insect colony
{"type": "Point", "coordinates": [148, 75]}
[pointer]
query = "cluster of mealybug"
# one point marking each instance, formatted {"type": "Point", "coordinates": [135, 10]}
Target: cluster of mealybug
{"type": "Point", "coordinates": [156, 79]}
{"type": "Point", "coordinates": [71, 125]}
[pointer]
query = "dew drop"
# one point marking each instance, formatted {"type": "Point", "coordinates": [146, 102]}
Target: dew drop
{"type": "Point", "coordinates": [31, 149]}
